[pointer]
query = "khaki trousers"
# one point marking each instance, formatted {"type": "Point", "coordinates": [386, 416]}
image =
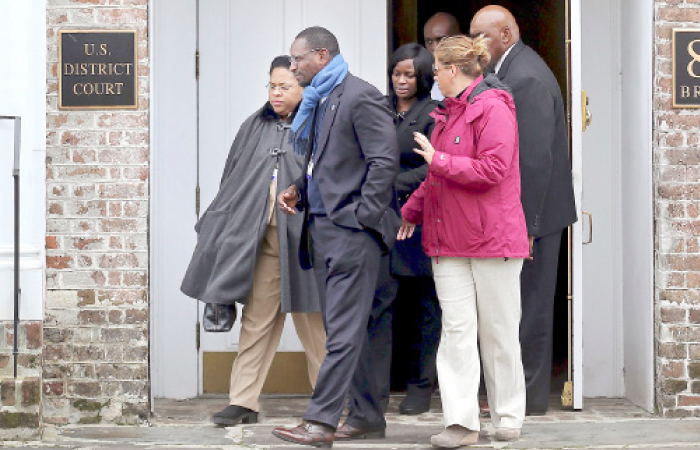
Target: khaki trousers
{"type": "Point", "coordinates": [480, 298]}
{"type": "Point", "coordinates": [261, 328]}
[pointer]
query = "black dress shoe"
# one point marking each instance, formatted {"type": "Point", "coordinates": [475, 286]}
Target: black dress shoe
{"type": "Point", "coordinates": [412, 405]}
{"type": "Point", "coordinates": [347, 432]}
{"type": "Point", "coordinates": [233, 415]}
{"type": "Point", "coordinates": [307, 433]}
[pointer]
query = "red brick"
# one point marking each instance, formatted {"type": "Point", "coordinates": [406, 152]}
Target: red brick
{"type": "Point", "coordinates": [679, 14]}
{"type": "Point", "coordinates": [7, 392]}
{"type": "Point", "coordinates": [51, 242]}
{"type": "Point", "coordinates": [694, 316]}
{"type": "Point", "coordinates": [87, 297]}
{"type": "Point", "coordinates": [31, 392]}
{"type": "Point", "coordinates": [55, 208]}
{"type": "Point", "coordinates": [58, 262]}
{"type": "Point", "coordinates": [689, 400]}
{"type": "Point", "coordinates": [34, 334]}
{"type": "Point", "coordinates": [673, 369]}
{"type": "Point", "coordinates": [139, 316]}
{"type": "Point", "coordinates": [86, 243]}
{"type": "Point", "coordinates": [54, 388]}
{"type": "Point", "coordinates": [92, 317]}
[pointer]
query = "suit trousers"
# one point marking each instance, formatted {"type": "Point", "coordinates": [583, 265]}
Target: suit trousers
{"type": "Point", "coordinates": [369, 391]}
{"type": "Point", "coordinates": [538, 284]}
{"type": "Point", "coordinates": [480, 298]}
{"type": "Point", "coordinates": [261, 328]}
{"type": "Point", "coordinates": [346, 265]}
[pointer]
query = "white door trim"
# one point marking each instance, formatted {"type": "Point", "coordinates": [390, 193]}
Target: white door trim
{"type": "Point", "coordinates": [172, 126]}
{"type": "Point", "coordinates": [576, 165]}
{"type": "Point", "coordinates": [637, 42]}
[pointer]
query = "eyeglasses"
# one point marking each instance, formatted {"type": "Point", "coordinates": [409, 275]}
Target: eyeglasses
{"type": "Point", "coordinates": [295, 58]}
{"type": "Point", "coordinates": [282, 87]}
{"type": "Point", "coordinates": [437, 68]}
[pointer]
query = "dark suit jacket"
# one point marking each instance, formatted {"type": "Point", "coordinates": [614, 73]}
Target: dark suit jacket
{"type": "Point", "coordinates": [356, 163]}
{"type": "Point", "coordinates": [408, 257]}
{"type": "Point", "coordinates": [545, 168]}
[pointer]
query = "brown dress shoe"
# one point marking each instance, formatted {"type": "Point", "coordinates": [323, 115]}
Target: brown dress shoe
{"type": "Point", "coordinates": [347, 432]}
{"type": "Point", "coordinates": [307, 433]}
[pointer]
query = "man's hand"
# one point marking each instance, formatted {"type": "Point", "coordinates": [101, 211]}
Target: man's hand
{"type": "Point", "coordinates": [406, 230]}
{"type": "Point", "coordinates": [427, 151]}
{"type": "Point", "coordinates": [287, 200]}
{"type": "Point", "coordinates": [531, 239]}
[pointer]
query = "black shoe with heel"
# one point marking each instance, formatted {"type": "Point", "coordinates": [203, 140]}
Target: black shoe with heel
{"type": "Point", "coordinates": [414, 405]}
{"type": "Point", "coordinates": [233, 415]}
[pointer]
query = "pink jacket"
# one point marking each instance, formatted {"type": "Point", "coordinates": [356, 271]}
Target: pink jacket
{"type": "Point", "coordinates": [469, 204]}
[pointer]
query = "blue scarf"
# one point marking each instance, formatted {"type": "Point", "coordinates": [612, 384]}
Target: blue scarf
{"type": "Point", "coordinates": [321, 86]}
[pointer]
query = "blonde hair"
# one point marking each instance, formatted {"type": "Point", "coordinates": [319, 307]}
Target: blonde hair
{"type": "Point", "coordinates": [471, 55]}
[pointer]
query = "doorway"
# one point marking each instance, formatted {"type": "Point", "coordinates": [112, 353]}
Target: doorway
{"type": "Point", "coordinates": [542, 25]}
{"type": "Point", "coordinates": [175, 360]}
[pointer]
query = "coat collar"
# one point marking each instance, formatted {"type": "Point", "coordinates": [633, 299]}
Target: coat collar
{"type": "Point", "coordinates": [517, 48]}
{"type": "Point", "coordinates": [414, 112]}
{"type": "Point", "coordinates": [268, 113]}
{"type": "Point", "coordinates": [456, 105]}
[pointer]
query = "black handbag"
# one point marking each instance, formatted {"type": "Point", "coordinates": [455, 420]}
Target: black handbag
{"type": "Point", "coordinates": [218, 318]}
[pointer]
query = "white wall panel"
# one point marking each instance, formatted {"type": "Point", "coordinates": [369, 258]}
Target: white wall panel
{"type": "Point", "coordinates": [22, 93]}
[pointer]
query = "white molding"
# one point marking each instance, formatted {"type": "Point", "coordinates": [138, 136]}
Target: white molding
{"type": "Point", "coordinates": [638, 216]}
{"type": "Point", "coordinates": [152, 29]}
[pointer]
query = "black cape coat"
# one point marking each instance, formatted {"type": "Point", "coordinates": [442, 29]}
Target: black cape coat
{"type": "Point", "coordinates": [231, 229]}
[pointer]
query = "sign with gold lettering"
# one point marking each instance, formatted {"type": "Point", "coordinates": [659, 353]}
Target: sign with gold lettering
{"type": "Point", "coordinates": [686, 68]}
{"type": "Point", "coordinates": [97, 69]}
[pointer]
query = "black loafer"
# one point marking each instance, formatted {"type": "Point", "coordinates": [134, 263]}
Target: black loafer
{"type": "Point", "coordinates": [233, 415]}
{"type": "Point", "coordinates": [413, 406]}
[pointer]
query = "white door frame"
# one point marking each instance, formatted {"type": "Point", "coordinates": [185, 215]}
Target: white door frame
{"type": "Point", "coordinates": [576, 165]}
{"type": "Point", "coordinates": [176, 93]}
{"type": "Point", "coordinates": [637, 42]}
{"type": "Point", "coordinates": [173, 350]}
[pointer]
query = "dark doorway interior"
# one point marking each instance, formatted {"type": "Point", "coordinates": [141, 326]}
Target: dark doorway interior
{"type": "Point", "coordinates": [543, 27]}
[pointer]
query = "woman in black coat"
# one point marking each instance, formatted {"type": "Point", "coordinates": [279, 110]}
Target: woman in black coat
{"type": "Point", "coordinates": [417, 312]}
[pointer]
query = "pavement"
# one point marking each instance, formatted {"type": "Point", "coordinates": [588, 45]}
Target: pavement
{"type": "Point", "coordinates": [185, 425]}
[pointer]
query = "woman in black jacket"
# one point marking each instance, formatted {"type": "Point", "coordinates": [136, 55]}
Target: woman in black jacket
{"type": "Point", "coordinates": [416, 309]}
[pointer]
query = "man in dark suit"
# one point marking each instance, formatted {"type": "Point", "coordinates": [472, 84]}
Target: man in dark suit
{"type": "Point", "coordinates": [345, 128]}
{"type": "Point", "coordinates": [547, 188]}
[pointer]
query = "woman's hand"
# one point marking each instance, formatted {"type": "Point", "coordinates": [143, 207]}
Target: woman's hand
{"type": "Point", "coordinates": [287, 200]}
{"type": "Point", "coordinates": [427, 151]}
{"type": "Point", "coordinates": [406, 230]}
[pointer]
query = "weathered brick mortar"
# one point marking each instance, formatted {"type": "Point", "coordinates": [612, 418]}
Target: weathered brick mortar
{"type": "Point", "coordinates": [677, 208]}
{"type": "Point", "coordinates": [20, 398]}
{"type": "Point", "coordinates": [96, 312]}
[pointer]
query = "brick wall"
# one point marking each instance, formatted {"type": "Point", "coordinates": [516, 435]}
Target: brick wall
{"type": "Point", "coordinates": [20, 408]}
{"type": "Point", "coordinates": [96, 311]}
{"type": "Point", "coordinates": [677, 180]}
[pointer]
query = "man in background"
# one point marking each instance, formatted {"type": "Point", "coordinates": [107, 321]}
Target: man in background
{"type": "Point", "coordinates": [438, 27]}
{"type": "Point", "coordinates": [547, 187]}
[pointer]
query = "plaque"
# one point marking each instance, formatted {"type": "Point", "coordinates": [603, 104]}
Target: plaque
{"type": "Point", "coordinates": [97, 69]}
{"type": "Point", "coordinates": [686, 68]}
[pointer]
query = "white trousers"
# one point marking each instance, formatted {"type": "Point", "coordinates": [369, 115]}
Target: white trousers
{"type": "Point", "coordinates": [480, 298]}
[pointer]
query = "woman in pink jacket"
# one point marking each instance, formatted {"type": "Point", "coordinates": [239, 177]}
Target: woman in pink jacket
{"type": "Point", "coordinates": [474, 231]}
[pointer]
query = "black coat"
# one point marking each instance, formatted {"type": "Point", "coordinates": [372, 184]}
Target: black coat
{"type": "Point", "coordinates": [408, 257]}
{"type": "Point", "coordinates": [545, 168]}
{"type": "Point", "coordinates": [356, 163]}
{"type": "Point", "coordinates": [233, 226]}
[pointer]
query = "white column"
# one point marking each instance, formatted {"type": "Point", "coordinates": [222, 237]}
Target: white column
{"type": "Point", "coordinates": [23, 93]}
